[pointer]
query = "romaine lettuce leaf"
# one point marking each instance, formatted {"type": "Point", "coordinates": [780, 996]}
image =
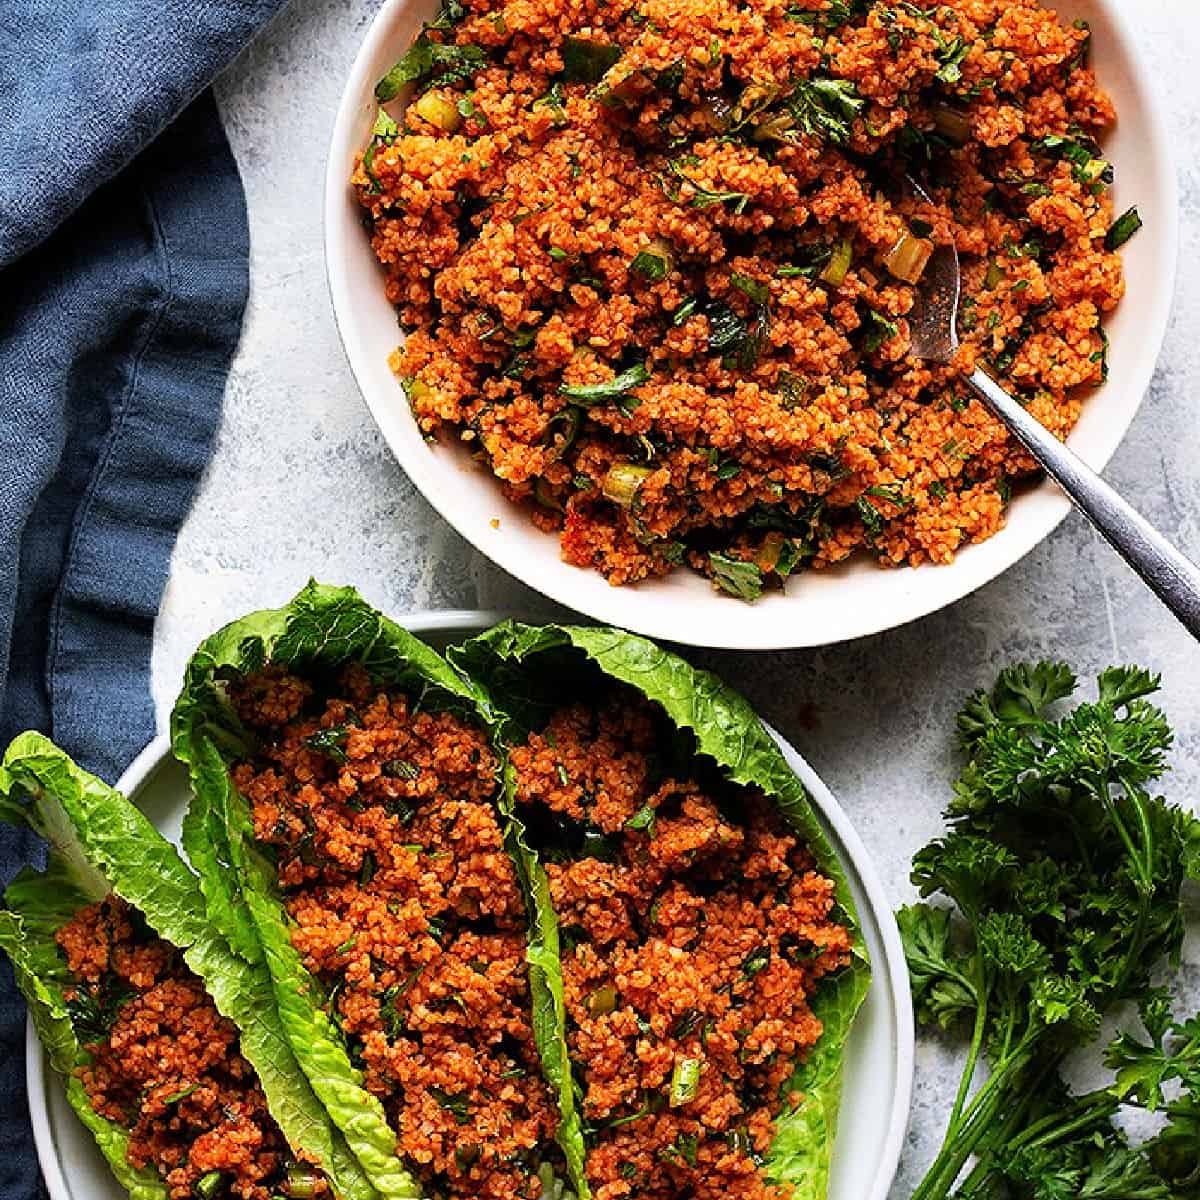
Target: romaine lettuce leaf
{"type": "Point", "coordinates": [548, 1007]}
{"type": "Point", "coordinates": [322, 628]}
{"type": "Point", "coordinates": [529, 671]}
{"type": "Point", "coordinates": [101, 842]}
{"type": "Point", "coordinates": [27, 937]}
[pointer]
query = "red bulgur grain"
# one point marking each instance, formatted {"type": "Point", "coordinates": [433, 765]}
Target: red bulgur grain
{"type": "Point", "coordinates": [405, 904]}
{"type": "Point", "coordinates": [699, 933]}
{"type": "Point", "coordinates": [165, 1064]}
{"type": "Point", "coordinates": [508, 242]}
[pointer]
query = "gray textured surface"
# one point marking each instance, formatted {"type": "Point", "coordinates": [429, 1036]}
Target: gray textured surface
{"type": "Point", "coordinates": [303, 484]}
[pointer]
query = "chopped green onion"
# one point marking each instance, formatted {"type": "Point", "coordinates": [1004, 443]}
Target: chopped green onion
{"type": "Point", "coordinates": [644, 818]}
{"type": "Point", "coordinates": [685, 1081]}
{"type": "Point", "coordinates": [908, 258]}
{"type": "Point", "coordinates": [838, 264]}
{"type": "Point", "coordinates": [1123, 228]}
{"type": "Point", "coordinates": [347, 945]}
{"type": "Point", "coordinates": [602, 1001]}
{"type": "Point", "coordinates": [686, 309]}
{"type": "Point", "coordinates": [544, 495]}
{"type": "Point", "coordinates": [623, 482]}
{"type": "Point", "coordinates": [1095, 170]}
{"type": "Point", "coordinates": [441, 113]}
{"type": "Point", "coordinates": [558, 253]}
{"type": "Point", "coordinates": [768, 552]}
{"type": "Point", "coordinates": [301, 1182]}
{"type": "Point", "coordinates": [756, 961]}
{"type": "Point", "coordinates": [952, 123]}
{"type": "Point", "coordinates": [208, 1185]}
{"type": "Point", "coordinates": [571, 418]}
{"type": "Point", "coordinates": [182, 1094]}
{"type": "Point", "coordinates": [654, 262]}
{"type": "Point", "coordinates": [612, 390]}
{"type": "Point", "coordinates": [385, 125]}
{"type": "Point", "coordinates": [417, 390]}
{"type": "Point", "coordinates": [753, 289]}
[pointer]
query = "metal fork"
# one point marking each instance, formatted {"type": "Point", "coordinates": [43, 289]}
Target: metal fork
{"type": "Point", "coordinates": [1173, 577]}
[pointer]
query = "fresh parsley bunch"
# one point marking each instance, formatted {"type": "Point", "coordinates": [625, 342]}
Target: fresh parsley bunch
{"type": "Point", "coordinates": [1065, 873]}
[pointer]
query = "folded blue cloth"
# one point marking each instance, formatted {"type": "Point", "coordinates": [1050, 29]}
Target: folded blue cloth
{"type": "Point", "coordinates": [123, 279]}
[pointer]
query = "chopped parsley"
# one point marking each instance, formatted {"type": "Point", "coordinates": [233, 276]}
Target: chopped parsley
{"type": "Point", "coordinates": [428, 63]}
{"type": "Point", "coordinates": [383, 133]}
{"type": "Point", "coordinates": [587, 62]}
{"type": "Point", "coordinates": [880, 329]}
{"type": "Point", "coordinates": [825, 108]}
{"type": "Point", "coordinates": [702, 197]}
{"type": "Point", "coordinates": [736, 576]}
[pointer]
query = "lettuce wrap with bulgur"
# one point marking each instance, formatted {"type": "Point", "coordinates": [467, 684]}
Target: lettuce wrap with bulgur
{"type": "Point", "coordinates": [170, 1045]}
{"type": "Point", "coordinates": [706, 761]}
{"type": "Point", "coordinates": [319, 735]}
{"type": "Point", "coordinates": [347, 895]}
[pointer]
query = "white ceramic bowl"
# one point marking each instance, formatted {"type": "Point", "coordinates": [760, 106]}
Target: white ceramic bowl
{"type": "Point", "coordinates": [819, 607]}
{"type": "Point", "coordinates": [879, 1058]}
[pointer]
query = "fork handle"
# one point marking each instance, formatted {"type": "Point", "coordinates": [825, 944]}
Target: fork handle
{"type": "Point", "coordinates": [1173, 577]}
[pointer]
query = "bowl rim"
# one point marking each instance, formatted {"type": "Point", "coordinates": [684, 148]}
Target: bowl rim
{"type": "Point", "coordinates": [775, 622]}
{"type": "Point", "coordinates": [891, 975]}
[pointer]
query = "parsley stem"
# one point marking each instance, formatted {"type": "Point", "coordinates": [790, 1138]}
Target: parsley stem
{"type": "Point", "coordinates": [976, 1123]}
{"type": "Point", "coordinates": [979, 986]}
{"type": "Point", "coordinates": [1087, 1110]}
{"type": "Point", "coordinates": [978, 1183]}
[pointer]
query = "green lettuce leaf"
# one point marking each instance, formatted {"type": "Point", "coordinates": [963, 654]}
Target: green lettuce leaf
{"type": "Point", "coordinates": [27, 936]}
{"type": "Point", "coordinates": [321, 629]}
{"type": "Point", "coordinates": [528, 671]}
{"type": "Point", "coordinates": [548, 1006]}
{"type": "Point", "coordinates": [101, 842]}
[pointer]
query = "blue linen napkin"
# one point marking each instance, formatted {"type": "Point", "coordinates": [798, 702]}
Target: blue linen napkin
{"type": "Point", "coordinates": [123, 279]}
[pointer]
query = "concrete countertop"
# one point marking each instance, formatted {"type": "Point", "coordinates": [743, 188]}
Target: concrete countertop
{"type": "Point", "coordinates": [302, 484]}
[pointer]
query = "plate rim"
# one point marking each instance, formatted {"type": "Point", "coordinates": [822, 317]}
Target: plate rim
{"type": "Point", "coordinates": [891, 974]}
{"type": "Point", "coordinates": [774, 627]}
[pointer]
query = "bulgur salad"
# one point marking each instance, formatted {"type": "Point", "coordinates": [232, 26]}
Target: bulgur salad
{"type": "Point", "coordinates": [654, 262]}
{"type": "Point", "coordinates": [171, 1047]}
{"type": "Point", "coordinates": [450, 873]}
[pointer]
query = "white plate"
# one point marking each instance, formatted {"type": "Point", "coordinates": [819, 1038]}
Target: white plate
{"type": "Point", "coordinates": [879, 1058]}
{"type": "Point", "coordinates": [819, 607]}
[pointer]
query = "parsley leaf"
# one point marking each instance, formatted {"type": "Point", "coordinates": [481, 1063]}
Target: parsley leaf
{"type": "Point", "coordinates": [1060, 878]}
{"type": "Point", "coordinates": [825, 108]}
{"type": "Point", "coordinates": [430, 63]}
{"type": "Point", "coordinates": [736, 576]}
